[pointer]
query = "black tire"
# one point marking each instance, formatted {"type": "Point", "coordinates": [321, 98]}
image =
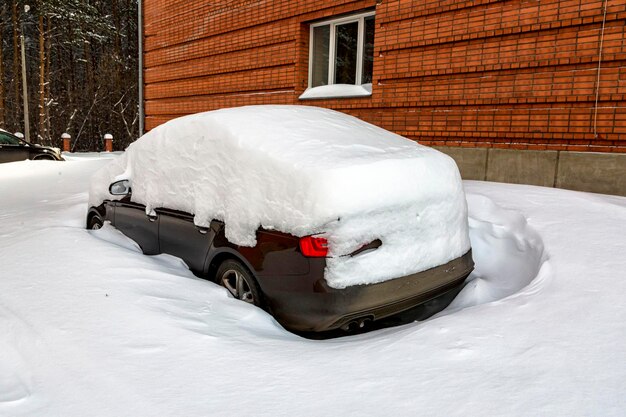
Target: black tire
{"type": "Point", "coordinates": [239, 282]}
{"type": "Point", "coordinates": [95, 223]}
{"type": "Point", "coordinates": [44, 157]}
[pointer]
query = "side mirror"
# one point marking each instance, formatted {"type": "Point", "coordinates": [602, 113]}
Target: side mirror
{"type": "Point", "coordinates": [121, 187]}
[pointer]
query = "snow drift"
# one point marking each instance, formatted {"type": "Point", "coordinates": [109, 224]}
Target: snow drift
{"type": "Point", "coordinates": [509, 254]}
{"type": "Point", "coordinates": [303, 170]}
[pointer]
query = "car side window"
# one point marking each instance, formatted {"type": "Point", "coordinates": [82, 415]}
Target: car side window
{"type": "Point", "coordinates": [6, 139]}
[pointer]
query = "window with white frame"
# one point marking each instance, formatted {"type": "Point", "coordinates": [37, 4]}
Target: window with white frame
{"type": "Point", "coordinates": [342, 51]}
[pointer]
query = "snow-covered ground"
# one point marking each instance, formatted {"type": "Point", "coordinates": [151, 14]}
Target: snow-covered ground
{"type": "Point", "coordinates": [91, 327]}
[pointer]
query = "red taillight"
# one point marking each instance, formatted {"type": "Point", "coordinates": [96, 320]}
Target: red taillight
{"type": "Point", "coordinates": [314, 247]}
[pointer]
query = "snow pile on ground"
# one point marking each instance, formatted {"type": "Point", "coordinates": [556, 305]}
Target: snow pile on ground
{"type": "Point", "coordinates": [508, 253]}
{"type": "Point", "coordinates": [91, 327]}
{"type": "Point", "coordinates": [304, 170]}
{"type": "Point", "coordinates": [77, 156]}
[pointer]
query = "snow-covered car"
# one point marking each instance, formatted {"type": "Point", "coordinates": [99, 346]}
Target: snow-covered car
{"type": "Point", "coordinates": [13, 149]}
{"type": "Point", "coordinates": [324, 220]}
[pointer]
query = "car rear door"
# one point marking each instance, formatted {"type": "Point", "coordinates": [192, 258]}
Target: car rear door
{"type": "Point", "coordinates": [179, 236]}
{"type": "Point", "coordinates": [131, 219]}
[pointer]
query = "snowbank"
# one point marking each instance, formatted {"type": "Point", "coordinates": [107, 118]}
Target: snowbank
{"type": "Point", "coordinates": [77, 156]}
{"type": "Point", "coordinates": [508, 253]}
{"type": "Point", "coordinates": [304, 170]}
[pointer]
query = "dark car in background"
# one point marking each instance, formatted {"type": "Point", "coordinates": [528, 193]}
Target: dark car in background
{"type": "Point", "coordinates": [283, 274]}
{"type": "Point", "coordinates": [14, 149]}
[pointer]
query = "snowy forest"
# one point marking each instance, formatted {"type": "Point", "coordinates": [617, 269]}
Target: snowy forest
{"type": "Point", "coordinates": [81, 70]}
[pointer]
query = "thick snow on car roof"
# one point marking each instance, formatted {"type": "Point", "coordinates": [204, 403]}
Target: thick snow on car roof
{"type": "Point", "coordinates": [311, 137]}
{"type": "Point", "coordinates": [303, 170]}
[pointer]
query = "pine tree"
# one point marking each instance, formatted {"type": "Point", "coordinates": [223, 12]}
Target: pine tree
{"type": "Point", "coordinates": [81, 60]}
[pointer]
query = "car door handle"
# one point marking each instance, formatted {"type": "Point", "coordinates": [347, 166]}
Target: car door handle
{"type": "Point", "coordinates": [202, 230]}
{"type": "Point", "coordinates": [152, 217]}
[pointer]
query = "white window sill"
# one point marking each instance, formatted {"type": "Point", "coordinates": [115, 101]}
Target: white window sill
{"type": "Point", "coordinates": [337, 91]}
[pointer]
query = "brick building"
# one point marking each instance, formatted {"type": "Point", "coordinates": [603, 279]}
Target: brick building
{"type": "Point", "coordinates": [530, 91]}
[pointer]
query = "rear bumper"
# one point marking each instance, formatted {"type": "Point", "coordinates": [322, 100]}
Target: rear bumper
{"type": "Point", "coordinates": [324, 308]}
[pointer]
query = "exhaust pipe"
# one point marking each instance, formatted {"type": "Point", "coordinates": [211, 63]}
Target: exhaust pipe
{"type": "Point", "coordinates": [357, 324]}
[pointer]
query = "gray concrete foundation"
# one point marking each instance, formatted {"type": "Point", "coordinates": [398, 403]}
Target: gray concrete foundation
{"type": "Point", "coordinates": [581, 171]}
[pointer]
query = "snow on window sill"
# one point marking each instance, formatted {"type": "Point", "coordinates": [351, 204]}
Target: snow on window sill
{"type": "Point", "coordinates": [337, 91]}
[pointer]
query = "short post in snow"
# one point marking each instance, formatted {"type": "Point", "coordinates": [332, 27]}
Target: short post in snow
{"type": "Point", "coordinates": [108, 142]}
{"type": "Point", "coordinates": [67, 139]}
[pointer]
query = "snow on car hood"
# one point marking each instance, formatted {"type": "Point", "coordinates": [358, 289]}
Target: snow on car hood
{"type": "Point", "coordinates": [303, 170]}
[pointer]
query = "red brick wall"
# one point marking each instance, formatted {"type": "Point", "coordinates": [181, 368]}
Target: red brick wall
{"type": "Point", "coordinates": [507, 74]}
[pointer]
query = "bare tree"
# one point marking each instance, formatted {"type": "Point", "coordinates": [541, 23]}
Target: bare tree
{"type": "Point", "coordinates": [2, 89]}
{"type": "Point", "coordinates": [16, 62]}
{"type": "Point", "coordinates": [42, 80]}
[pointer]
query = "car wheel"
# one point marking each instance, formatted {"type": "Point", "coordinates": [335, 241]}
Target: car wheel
{"type": "Point", "coordinates": [239, 282]}
{"type": "Point", "coordinates": [44, 158]}
{"type": "Point", "coordinates": [95, 223]}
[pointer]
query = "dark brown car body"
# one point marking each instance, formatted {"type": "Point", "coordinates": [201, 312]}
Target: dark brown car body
{"type": "Point", "coordinates": [14, 149]}
{"type": "Point", "coordinates": [293, 286]}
